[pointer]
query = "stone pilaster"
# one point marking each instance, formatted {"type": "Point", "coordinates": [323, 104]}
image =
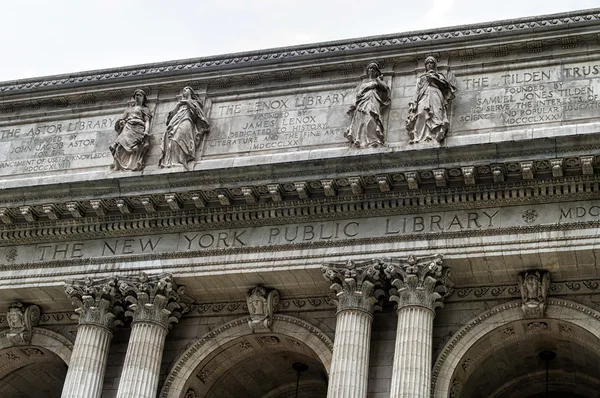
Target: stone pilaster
{"type": "Point", "coordinates": [97, 304]}
{"type": "Point", "coordinates": [419, 286]}
{"type": "Point", "coordinates": [155, 305]}
{"type": "Point", "coordinates": [354, 285]}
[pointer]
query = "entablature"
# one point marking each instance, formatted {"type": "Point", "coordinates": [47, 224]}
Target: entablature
{"type": "Point", "coordinates": [334, 196]}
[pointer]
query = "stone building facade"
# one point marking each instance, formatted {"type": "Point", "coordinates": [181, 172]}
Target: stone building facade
{"type": "Point", "coordinates": [412, 215]}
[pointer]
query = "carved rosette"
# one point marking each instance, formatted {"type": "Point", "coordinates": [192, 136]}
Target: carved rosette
{"type": "Point", "coordinates": [21, 320]}
{"type": "Point", "coordinates": [262, 304]}
{"type": "Point", "coordinates": [354, 284]}
{"type": "Point", "coordinates": [154, 299]}
{"type": "Point", "coordinates": [534, 292]}
{"type": "Point", "coordinates": [97, 302]}
{"type": "Point", "coordinates": [417, 281]}
{"type": "Point", "coordinates": [191, 393]}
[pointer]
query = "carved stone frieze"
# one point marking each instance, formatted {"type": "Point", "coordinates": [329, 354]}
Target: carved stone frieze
{"type": "Point", "coordinates": [97, 302]}
{"type": "Point", "coordinates": [156, 299]}
{"type": "Point", "coordinates": [534, 287]}
{"type": "Point", "coordinates": [21, 319]}
{"type": "Point", "coordinates": [416, 281]}
{"type": "Point", "coordinates": [355, 284]}
{"type": "Point", "coordinates": [262, 304]}
{"type": "Point", "coordinates": [285, 305]}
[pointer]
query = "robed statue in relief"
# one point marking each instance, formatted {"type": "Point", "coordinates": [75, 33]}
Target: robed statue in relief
{"type": "Point", "coordinates": [366, 128]}
{"type": "Point", "coordinates": [186, 126]}
{"type": "Point", "coordinates": [133, 139]}
{"type": "Point", "coordinates": [428, 112]}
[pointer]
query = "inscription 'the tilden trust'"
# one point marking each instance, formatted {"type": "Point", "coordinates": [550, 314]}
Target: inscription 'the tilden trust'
{"type": "Point", "coordinates": [537, 95]}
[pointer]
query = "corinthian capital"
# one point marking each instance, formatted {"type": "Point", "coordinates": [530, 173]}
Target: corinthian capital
{"type": "Point", "coordinates": [354, 284]}
{"type": "Point", "coordinates": [417, 281]}
{"type": "Point", "coordinates": [97, 302]}
{"type": "Point", "coordinates": [155, 299]}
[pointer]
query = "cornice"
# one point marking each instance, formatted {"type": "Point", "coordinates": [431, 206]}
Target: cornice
{"type": "Point", "coordinates": [499, 29]}
{"type": "Point", "coordinates": [297, 200]}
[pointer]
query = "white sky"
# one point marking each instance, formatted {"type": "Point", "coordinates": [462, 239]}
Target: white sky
{"type": "Point", "coordinates": [46, 37]}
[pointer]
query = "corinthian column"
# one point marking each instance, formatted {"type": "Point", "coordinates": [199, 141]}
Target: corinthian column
{"type": "Point", "coordinates": [419, 286]}
{"type": "Point", "coordinates": [354, 287]}
{"type": "Point", "coordinates": [96, 304]}
{"type": "Point", "coordinates": [155, 305]}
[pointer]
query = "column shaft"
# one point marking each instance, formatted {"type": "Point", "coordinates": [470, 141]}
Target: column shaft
{"type": "Point", "coordinates": [411, 377]}
{"type": "Point", "coordinates": [139, 378]}
{"type": "Point", "coordinates": [349, 374]}
{"type": "Point", "coordinates": [88, 362]}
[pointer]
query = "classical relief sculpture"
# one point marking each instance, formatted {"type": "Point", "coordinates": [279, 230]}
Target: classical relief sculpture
{"type": "Point", "coordinates": [21, 321]}
{"type": "Point", "coordinates": [428, 113]}
{"type": "Point", "coordinates": [534, 292]}
{"type": "Point", "coordinates": [133, 138]}
{"type": "Point", "coordinates": [262, 305]}
{"type": "Point", "coordinates": [186, 125]}
{"type": "Point", "coordinates": [366, 128]}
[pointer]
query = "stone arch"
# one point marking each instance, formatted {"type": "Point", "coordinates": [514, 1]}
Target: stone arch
{"type": "Point", "coordinates": [286, 325]}
{"type": "Point", "coordinates": [476, 329]}
{"type": "Point", "coordinates": [45, 338]}
{"type": "Point", "coordinates": [35, 369]}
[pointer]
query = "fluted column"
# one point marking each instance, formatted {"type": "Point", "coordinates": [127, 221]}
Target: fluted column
{"type": "Point", "coordinates": [155, 305]}
{"type": "Point", "coordinates": [354, 285]}
{"type": "Point", "coordinates": [97, 303]}
{"type": "Point", "coordinates": [419, 286]}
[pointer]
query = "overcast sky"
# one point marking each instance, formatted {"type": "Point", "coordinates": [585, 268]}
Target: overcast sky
{"type": "Point", "coordinates": [47, 37]}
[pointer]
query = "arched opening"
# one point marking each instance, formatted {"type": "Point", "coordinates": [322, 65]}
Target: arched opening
{"type": "Point", "coordinates": [231, 361]}
{"type": "Point", "coordinates": [31, 372]}
{"type": "Point", "coordinates": [497, 354]}
{"type": "Point", "coordinates": [506, 363]}
{"type": "Point", "coordinates": [257, 366]}
{"type": "Point", "coordinates": [37, 370]}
